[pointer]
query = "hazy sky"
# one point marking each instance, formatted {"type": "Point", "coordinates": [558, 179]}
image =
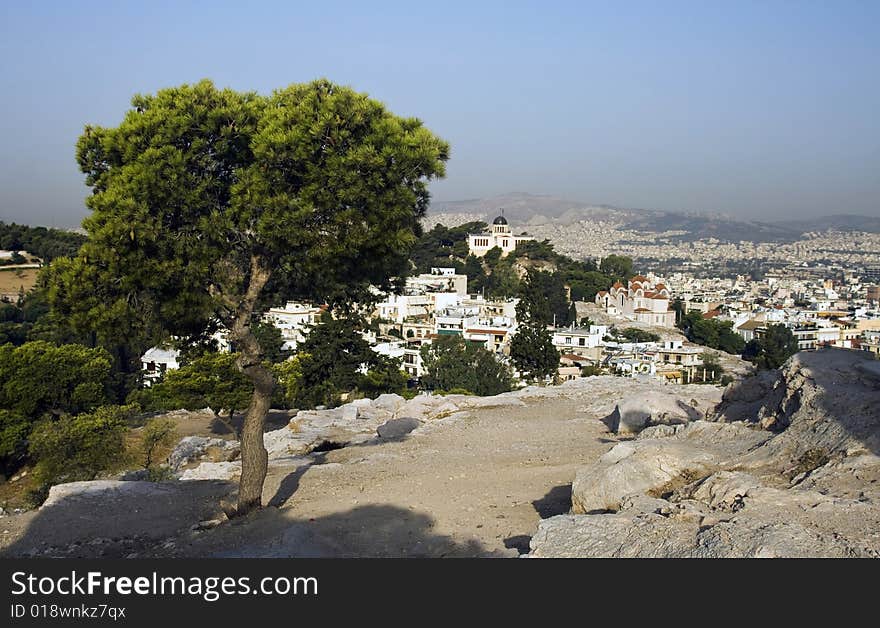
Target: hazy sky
{"type": "Point", "coordinates": [761, 110]}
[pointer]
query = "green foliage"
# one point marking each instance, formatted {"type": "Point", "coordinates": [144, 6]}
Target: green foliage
{"type": "Point", "coordinates": [677, 306]}
{"type": "Point", "coordinates": [532, 352]}
{"type": "Point", "coordinates": [289, 375]}
{"type": "Point", "coordinates": [47, 244]}
{"type": "Point", "coordinates": [38, 378]}
{"type": "Point", "coordinates": [270, 340]}
{"type": "Point", "coordinates": [711, 332]}
{"type": "Point", "coordinates": [79, 447]}
{"type": "Point", "coordinates": [331, 359]}
{"type": "Point", "coordinates": [633, 334]}
{"type": "Point", "coordinates": [157, 432]}
{"type": "Point", "coordinates": [384, 376]}
{"type": "Point", "coordinates": [542, 300]}
{"type": "Point", "coordinates": [492, 275]}
{"type": "Point", "coordinates": [18, 321]}
{"type": "Point", "coordinates": [476, 274]}
{"type": "Point", "coordinates": [444, 246]}
{"type": "Point", "coordinates": [617, 267]}
{"type": "Point", "coordinates": [14, 430]}
{"type": "Point", "coordinates": [452, 362]}
{"type": "Point", "coordinates": [335, 359]}
{"type": "Point", "coordinates": [771, 350]}
{"type": "Point", "coordinates": [201, 195]}
{"type": "Point", "coordinates": [586, 284]}
{"type": "Point", "coordinates": [591, 370]}
{"type": "Point", "coordinates": [537, 251]}
{"type": "Point", "coordinates": [211, 380]}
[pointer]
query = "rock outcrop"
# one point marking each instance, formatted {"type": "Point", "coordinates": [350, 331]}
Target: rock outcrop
{"type": "Point", "coordinates": [788, 466]}
{"type": "Point", "coordinates": [657, 407]}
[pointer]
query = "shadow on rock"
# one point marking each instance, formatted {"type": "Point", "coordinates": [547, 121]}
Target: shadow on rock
{"type": "Point", "coordinates": [557, 501]}
{"type": "Point", "coordinates": [112, 519]}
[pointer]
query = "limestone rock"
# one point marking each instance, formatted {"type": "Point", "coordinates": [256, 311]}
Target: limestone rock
{"type": "Point", "coordinates": [634, 468]}
{"type": "Point", "coordinates": [191, 448]}
{"type": "Point", "coordinates": [637, 412]}
{"type": "Point", "coordinates": [389, 402]}
{"type": "Point", "coordinates": [788, 467]}
{"type": "Point", "coordinates": [213, 471]}
{"type": "Point", "coordinates": [287, 442]}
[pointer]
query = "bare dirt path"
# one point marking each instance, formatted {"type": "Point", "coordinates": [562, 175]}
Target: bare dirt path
{"type": "Point", "coordinates": [476, 486]}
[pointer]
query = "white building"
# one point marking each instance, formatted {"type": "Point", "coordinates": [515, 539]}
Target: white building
{"type": "Point", "coordinates": [578, 338]}
{"type": "Point", "coordinates": [293, 320]}
{"type": "Point", "coordinates": [500, 236]}
{"type": "Point", "coordinates": [156, 361]}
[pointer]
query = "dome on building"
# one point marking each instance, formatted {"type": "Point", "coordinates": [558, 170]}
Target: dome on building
{"type": "Point", "coordinates": [501, 220]}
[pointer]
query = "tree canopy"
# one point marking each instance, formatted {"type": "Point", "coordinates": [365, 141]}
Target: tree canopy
{"type": "Point", "coordinates": [532, 352]}
{"type": "Point", "coordinates": [208, 204]}
{"type": "Point", "coordinates": [542, 300]}
{"type": "Point", "coordinates": [45, 243]}
{"type": "Point", "coordinates": [451, 362]}
{"type": "Point", "coordinates": [771, 350]}
{"type": "Point", "coordinates": [39, 380]}
{"type": "Point", "coordinates": [711, 332]}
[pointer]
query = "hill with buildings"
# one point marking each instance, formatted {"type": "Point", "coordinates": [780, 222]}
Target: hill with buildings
{"type": "Point", "coordinates": [525, 210]}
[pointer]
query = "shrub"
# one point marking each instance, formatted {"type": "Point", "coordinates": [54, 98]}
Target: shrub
{"type": "Point", "coordinates": [633, 334]}
{"type": "Point", "coordinates": [79, 447]}
{"type": "Point", "coordinates": [157, 433]}
{"type": "Point", "coordinates": [591, 370]}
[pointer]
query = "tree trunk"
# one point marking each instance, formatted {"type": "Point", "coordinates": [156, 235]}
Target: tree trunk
{"type": "Point", "coordinates": [254, 459]}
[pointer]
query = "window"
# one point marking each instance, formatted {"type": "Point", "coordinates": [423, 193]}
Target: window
{"type": "Point", "coordinates": [582, 341]}
{"type": "Point", "coordinates": [568, 340]}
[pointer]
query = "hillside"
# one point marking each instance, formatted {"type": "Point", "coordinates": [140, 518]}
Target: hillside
{"type": "Point", "coordinates": [786, 465]}
{"type": "Point", "coordinates": [534, 209]}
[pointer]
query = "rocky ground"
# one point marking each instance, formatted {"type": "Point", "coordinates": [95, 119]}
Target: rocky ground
{"type": "Point", "coordinates": [788, 466]}
{"type": "Point", "coordinates": [785, 464]}
{"type": "Point", "coordinates": [474, 477]}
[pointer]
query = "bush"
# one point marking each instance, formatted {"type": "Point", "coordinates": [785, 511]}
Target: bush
{"type": "Point", "coordinates": [79, 447]}
{"type": "Point", "coordinates": [157, 433]}
{"type": "Point", "coordinates": [39, 380]}
{"type": "Point", "coordinates": [633, 334]}
{"type": "Point", "coordinates": [452, 362]}
{"type": "Point", "coordinates": [591, 370]}
{"type": "Point", "coordinates": [14, 430]}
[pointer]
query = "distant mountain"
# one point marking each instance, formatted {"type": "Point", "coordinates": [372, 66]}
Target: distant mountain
{"type": "Point", "coordinates": [837, 222]}
{"type": "Point", "coordinates": [523, 208]}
